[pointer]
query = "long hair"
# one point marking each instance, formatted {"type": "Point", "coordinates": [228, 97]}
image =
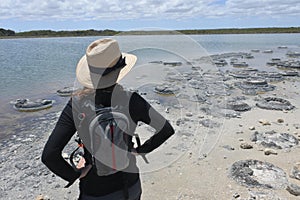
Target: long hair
{"type": "Point", "coordinates": [83, 92]}
{"type": "Point", "coordinates": [87, 91]}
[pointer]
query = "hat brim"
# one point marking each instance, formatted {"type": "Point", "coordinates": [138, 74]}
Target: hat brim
{"type": "Point", "coordinates": [97, 81]}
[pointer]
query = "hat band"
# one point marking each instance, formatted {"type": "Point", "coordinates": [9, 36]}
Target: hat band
{"type": "Point", "coordinates": [104, 71]}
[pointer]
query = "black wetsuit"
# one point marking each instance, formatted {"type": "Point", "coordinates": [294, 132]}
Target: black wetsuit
{"type": "Point", "coordinates": [92, 184]}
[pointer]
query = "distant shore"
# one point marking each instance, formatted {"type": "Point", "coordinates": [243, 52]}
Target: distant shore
{"type": "Point", "coordinates": [6, 33]}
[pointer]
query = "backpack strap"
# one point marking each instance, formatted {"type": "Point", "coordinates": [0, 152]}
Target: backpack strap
{"type": "Point", "coordinates": [80, 145]}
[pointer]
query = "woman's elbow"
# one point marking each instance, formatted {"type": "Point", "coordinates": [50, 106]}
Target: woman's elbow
{"type": "Point", "coordinates": [47, 156]}
{"type": "Point", "coordinates": [169, 129]}
{"type": "Point", "coordinates": [44, 157]}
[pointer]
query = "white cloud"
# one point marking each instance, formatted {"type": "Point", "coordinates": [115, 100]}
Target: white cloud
{"type": "Point", "coordinates": [263, 7]}
{"type": "Point", "coordinates": [154, 9]}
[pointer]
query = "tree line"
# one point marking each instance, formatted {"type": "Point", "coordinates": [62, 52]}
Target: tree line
{"type": "Point", "coordinates": [51, 33]}
{"type": "Point", "coordinates": [4, 33]}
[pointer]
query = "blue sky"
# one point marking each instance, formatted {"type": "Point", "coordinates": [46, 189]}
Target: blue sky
{"type": "Point", "coordinates": [22, 15]}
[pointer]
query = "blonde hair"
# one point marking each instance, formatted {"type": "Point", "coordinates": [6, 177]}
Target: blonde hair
{"type": "Point", "coordinates": [83, 92]}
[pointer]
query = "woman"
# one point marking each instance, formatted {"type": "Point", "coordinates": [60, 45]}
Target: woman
{"type": "Point", "coordinates": [99, 72]}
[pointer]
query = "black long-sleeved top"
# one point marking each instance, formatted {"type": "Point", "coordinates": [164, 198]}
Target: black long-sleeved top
{"type": "Point", "coordinates": [94, 185]}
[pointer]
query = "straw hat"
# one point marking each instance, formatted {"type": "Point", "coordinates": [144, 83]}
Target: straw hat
{"type": "Point", "coordinates": [103, 65]}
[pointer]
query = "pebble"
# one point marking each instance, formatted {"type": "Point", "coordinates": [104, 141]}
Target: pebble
{"type": "Point", "coordinates": [167, 110]}
{"type": "Point", "coordinates": [236, 195]}
{"type": "Point", "coordinates": [264, 122]}
{"type": "Point", "coordinates": [246, 146]}
{"type": "Point", "coordinates": [22, 166]}
{"type": "Point", "coordinates": [41, 197]}
{"type": "Point", "coordinates": [189, 114]}
{"type": "Point", "coordinates": [251, 128]}
{"type": "Point", "coordinates": [280, 120]}
{"type": "Point", "coordinates": [268, 151]}
{"type": "Point", "coordinates": [228, 147]}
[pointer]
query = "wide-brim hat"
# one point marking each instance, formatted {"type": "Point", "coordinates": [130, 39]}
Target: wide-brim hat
{"type": "Point", "coordinates": [103, 64]}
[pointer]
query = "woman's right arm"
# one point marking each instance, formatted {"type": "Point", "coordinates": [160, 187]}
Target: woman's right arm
{"type": "Point", "coordinates": [60, 136]}
{"type": "Point", "coordinates": [147, 114]}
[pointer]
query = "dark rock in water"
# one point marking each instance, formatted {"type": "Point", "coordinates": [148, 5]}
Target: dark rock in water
{"type": "Point", "coordinates": [240, 64]}
{"type": "Point", "coordinates": [275, 103]}
{"type": "Point", "coordinates": [293, 189]}
{"type": "Point", "coordinates": [289, 73]}
{"type": "Point", "coordinates": [173, 63]}
{"type": "Point", "coordinates": [294, 64]}
{"type": "Point", "coordinates": [274, 61]}
{"type": "Point", "coordinates": [293, 54]}
{"type": "Point", "coordinates": [156, 62]}
{"type": "Point", "coordinates": [238, 106]}
{"type": "Point", "coordinates": [255, 173]}
{"type": "Point", "coordinates": [268, 51]}
{"type": "Point", "coordinates": [220, 62]}
{"type": "Point", "coordinates": [30, 105]}
{"type": "Point", "coordinates": [275, 140]}
{"type": "Point", "coordinates": [66, 91]}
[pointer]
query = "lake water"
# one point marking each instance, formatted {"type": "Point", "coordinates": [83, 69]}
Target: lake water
{"type": "Point", "coordinates": [37, 67]}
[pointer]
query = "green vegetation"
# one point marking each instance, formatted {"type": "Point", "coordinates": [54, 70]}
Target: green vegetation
{"type": "Point", "coordinates": [4, 32]}
{"type": "Point", "coordinates": [243, 30]}
{"type": "Point", "coordinates": [49, 33]}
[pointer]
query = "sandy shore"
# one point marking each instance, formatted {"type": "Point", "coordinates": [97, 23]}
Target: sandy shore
{"type": "Point", "coordinates": [195, 163]}
{"type": "Point", "coordinates": [195, 177]}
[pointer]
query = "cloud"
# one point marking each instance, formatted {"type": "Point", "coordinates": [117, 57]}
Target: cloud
{"type": "Point", "coordinates": [144, 9]}
{"type": "Point", "coordinates": [271, 8]}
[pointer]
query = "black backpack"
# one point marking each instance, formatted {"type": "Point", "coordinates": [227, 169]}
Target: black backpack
{"type": "Point", "coordinates": [104, 131]}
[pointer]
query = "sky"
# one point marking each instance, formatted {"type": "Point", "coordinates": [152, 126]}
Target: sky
{"type": "Point", "coordinates": [24, 15]}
